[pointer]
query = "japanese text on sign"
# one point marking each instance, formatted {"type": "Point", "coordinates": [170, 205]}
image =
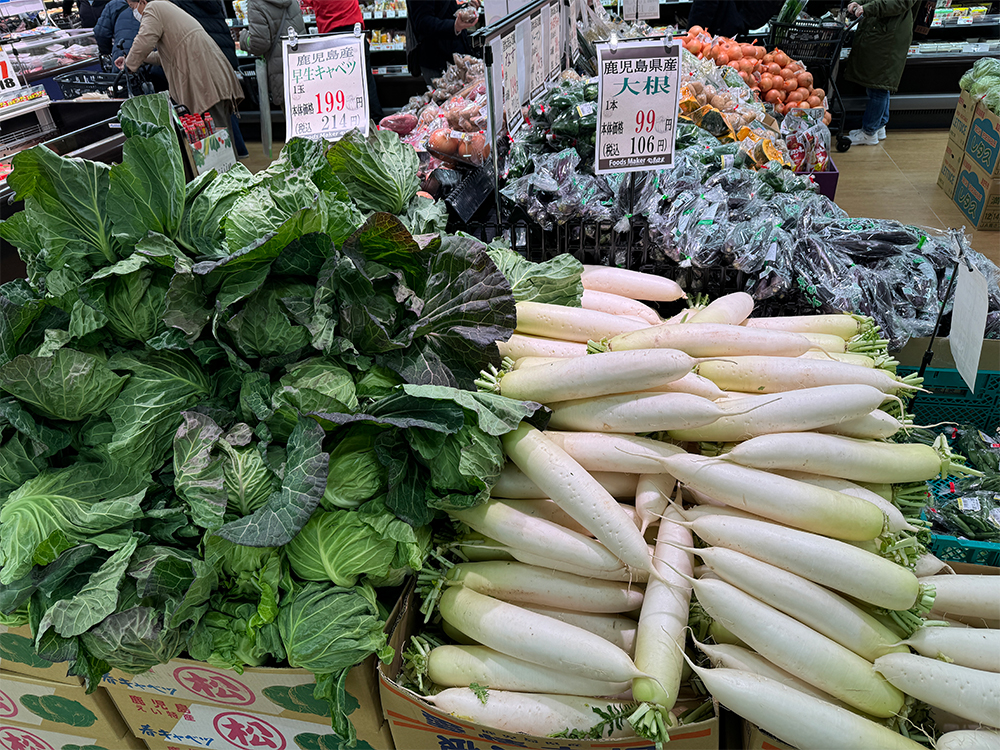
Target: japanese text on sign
{"type": "Point", "coordinates": [326, 93]}
{"type": "Point", "coordinates": [555, 40]}
{"type": "Point", "coordinates": [537, 78]}
{"type": "Point", "coordinates": [508, 71]}
{"type": "Point", "coordinates": [638, 85]}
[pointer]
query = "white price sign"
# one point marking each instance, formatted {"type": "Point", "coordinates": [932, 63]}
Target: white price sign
{"type": "Point", "coordinates": [508, 72]}
{"type": "Point", "coordinates": [537, 55]}
{"type": "Point", "coordinates": [326, 93]}
{"type": "Point", "coordinates": [574, 42]}
{"type": "Point", "coordinates": [638, 86]}
{"type": "Point", "coordinates": [648, 9]}
{"type": "Point", "coordinates": [555, 40]}
{"type": "Point", "coordinates": [8, 78]}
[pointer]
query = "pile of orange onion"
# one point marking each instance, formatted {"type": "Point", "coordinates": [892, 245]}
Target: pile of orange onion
{"type": "Point", "coordinates": [773, 76]}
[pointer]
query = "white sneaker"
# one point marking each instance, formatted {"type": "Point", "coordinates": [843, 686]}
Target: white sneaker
{"type": "Point", "coordinates": [861, 138]}
{"type": "Point", "coordinates": [880, 134]}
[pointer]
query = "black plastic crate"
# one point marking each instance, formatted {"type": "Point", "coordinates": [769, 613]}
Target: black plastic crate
{"type": "Point", "coordinates": [809, 41]}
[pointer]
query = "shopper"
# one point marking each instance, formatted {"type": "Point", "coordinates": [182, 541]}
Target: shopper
{"type": "Point", "coordinates": [89, 11]}
{"type": "Point", "coordinates": [267, 22]}
{"type": "Point", "coordinates": [440, 32]}
{"type": "Point", "coordinates": [199, 75]}
{"type": "Point", "coordinates": [877, 59]}
{"type": "Point", "coordinates": [335, 16]}
{"type": "Point", "coordinates": [114, 32]}
{"type": "Point", "coordinates": [211, 14]}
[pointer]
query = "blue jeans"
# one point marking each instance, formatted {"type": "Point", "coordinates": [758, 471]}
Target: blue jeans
{"type": "Point", "coordinates": [876, 111]}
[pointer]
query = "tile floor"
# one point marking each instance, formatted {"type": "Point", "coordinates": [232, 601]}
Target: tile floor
{"type": "Point", "coordinates": [896, 179]}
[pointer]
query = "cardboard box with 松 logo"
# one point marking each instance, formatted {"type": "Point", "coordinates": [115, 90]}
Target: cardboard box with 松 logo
{"type": "Point", "coordinates": [417, 725]}
{"type": "Point", "coordinates": [17, 656]}
{"type": "Point", "coordinates": [953, 155]}
{"type": "Point", "coordinates": [977, 195]}
{"type": "Point", "coordinates": [35, 714]}
{"type": "Point", "coordinates": [188, 704]}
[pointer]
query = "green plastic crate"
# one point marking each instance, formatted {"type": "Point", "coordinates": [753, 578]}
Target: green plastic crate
{"type": "Point", "coordinates": [953, 549]}
{"type": "Point", "coordinates": [950, 400]}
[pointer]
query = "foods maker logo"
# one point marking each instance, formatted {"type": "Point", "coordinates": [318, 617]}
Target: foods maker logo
{"type": "Point", "coordinates": [14, 738]}
{"type": "Point", "coordinates": [8, 708]}
{"type": "Point", "coordinates": [215, 686]}
{"type": "Point", "coordinates": [248, 732]}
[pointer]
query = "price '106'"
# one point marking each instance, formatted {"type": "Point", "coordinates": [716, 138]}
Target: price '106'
{"type": "Point", "coordinates": [330, 101]}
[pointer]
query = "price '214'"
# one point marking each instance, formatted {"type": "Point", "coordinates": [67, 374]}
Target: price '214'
{"type": "Point", "coordinates": [330, 101]}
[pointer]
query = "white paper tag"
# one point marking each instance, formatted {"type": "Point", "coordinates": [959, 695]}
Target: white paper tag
{"type": "Point", "coordinates": [969, 504]}
{"type": "Point", "coordinates": [968, 323]}
{"type": "Point", "coordinates": [994, 517]}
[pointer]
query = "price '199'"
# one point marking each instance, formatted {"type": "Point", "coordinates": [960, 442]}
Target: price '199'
{"type": "Point", "coordinates": [330, 101]}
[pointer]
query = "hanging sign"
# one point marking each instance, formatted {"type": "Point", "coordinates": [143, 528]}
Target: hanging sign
{"type": "Point", "coordinates": [638, 86]}
{"type": "Point", "coordinates": [555, 41]}
{"type": "Point", "coordinates": [571, 32]}
{"type": "Point", "coordinates": [538, 63]}
{"type": "Point", "coordinates": [326, 91]}
{"type": "Point", "coordinates": [8, 77]}
{"type": "Point", "coordinates": [508, 72]}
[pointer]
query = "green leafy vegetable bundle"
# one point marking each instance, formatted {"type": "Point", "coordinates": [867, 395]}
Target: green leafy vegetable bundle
{"type": "Point", "coordinates": [230, 408]}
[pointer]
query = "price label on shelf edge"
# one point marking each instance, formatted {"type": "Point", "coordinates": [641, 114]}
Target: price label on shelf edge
{"type": "Point", "coordinates": [638, 85]}
{"type": "Point", "coordinates": [326, 93]}
{"type": "Point", "coordinates": [8, 77]}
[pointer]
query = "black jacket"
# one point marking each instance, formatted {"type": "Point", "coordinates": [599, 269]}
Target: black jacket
{"type": "Point", "coordinates": [433, 23]}
{"type": "Point", "coordinates": [729, 17]}
{"type": "Point", "coordinates": [211, 14]}
{"type": "Point", "coordinates": [89, 12]}
{"type": "Point", "coordinates": [116, 24]}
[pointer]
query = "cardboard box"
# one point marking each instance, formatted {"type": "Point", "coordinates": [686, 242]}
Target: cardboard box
{"type": "Point", "coordinates": [417, 725]}
{"type": "Point", "coordinates": [977, 195]}
{"type": "Point", "coordinates": [965, 110]}
{"type": "Point", "coordinates": [190, 704]}
{"type": "Point", "coordinates": [56, 707]}
{"type": "Point", "coordinates": [17, 656]}
{"type": "Point", "coordinates": [983, 146]}
{"type": "Point", "coordinates": [30, 738]}
{"type": "Point", "coordinates": [953, 155]}
{"type": "Point", "coordinates": [211, 727]}
{"type": "Point", "coordinates": [755, 738]}
{"type": "Point", "coordinates": [214, 152]}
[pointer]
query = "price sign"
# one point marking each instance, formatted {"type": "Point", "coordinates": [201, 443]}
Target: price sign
{"type": "Point", "coordinates": [326, 93]}
{"type": "Point", "coordinates": [508, 72]}
{"type": "Point", "coordinates": [648, 9]}
{"type": "Point", "coordinates": [638, 85]}
{"type": "Point", "coordinates": [537, 60]}
{"type": "Point", "coordinates": [555, 40]}
{"type": "Point", "coordinates": [968, 322]}
{"type": "Point", "coordinates": [8, 78]}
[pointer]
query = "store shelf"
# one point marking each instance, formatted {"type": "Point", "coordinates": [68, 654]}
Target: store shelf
{"type": "Point", "coordinates": [39, 75]}
{"type": "Point", "coordinates": [17, 110]}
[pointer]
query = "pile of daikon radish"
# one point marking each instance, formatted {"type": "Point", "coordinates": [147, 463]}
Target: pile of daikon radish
{"type": "Point", "coordinates": [574, 606]}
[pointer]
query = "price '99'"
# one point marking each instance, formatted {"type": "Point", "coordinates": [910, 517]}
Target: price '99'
{"type": "Point", "coordinates": [645, 121]}
{"type": "Point", "coordinates": [331, 101]}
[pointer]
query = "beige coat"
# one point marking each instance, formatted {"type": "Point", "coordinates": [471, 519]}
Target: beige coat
{"type": "Point", "coordinates": [198, 73]}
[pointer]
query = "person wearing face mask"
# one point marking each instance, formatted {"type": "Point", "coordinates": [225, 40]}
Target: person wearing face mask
{"type": "Point", "coordinates": [197, 72]}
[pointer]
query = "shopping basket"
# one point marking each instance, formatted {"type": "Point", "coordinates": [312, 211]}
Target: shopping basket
{"type": "Point", "coordinates": [248, 76]}
{"type": "Point", "coordinates": [119, 85]}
